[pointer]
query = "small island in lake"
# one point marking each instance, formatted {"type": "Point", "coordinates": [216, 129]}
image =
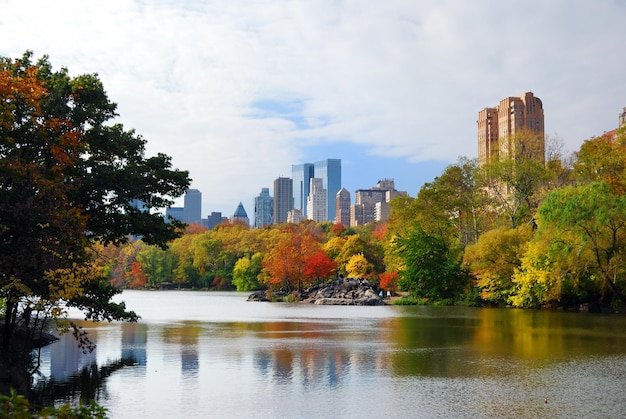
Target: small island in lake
{"type": "Point", "coordinates": [343, 291]}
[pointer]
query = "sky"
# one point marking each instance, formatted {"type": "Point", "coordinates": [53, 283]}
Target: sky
{"type": "Point", "coordinates": [237, 91]}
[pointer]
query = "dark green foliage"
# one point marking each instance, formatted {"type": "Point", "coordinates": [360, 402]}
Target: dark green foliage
{"type": "Point", "coordinates": [428, 270]}
{"type": "Point", "coordinates": [67, 180]}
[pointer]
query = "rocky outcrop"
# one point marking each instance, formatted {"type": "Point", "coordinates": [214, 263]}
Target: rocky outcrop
{"type": "Point", "coordinates": [345, 291]}
{"type": "Point", "coordinates": [258, 296]}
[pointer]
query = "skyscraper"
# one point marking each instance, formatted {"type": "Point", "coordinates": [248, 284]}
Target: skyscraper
{"type": "Point", "coordinates": [283, 199]}
{"type": "Point", "coordinates": [301, 175]}
{"type": "Point", "coordinates": [497, 126]}
{"type": "Point", "coordinates": [373, 204]}
{"type": "Point", "coordinates": [193, 207]}
{"type": "Point", "coordinates": [316, 202]}
{"type": "Point", "coordinates": [342, 207]}
{"type": "Point", "coordinates": [329, 171]}
{"type": "Point", "coordinates": [263, 208]}
{"type": "Point", "coordinates": [241, 215]}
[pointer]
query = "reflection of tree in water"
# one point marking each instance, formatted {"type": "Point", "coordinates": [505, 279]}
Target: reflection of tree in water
{"type": "Point", "coordinates": [86, 385]}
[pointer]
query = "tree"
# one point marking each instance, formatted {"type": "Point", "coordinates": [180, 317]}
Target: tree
{"type": "Point", "coordinates": [515, 180]}
{"type": "Point", "coordinates": [358, 266]}
{"type": "Point", "coordinates": [318, 267]}
{"type": "Point", "coordinates": [68, 180]}
{"type": "Point", "coordinates": [585, 230]}
{"type": "Point", "coordinates": [286, 262]}
{"type": "Point", "coordinates": [389, 281]}
{"type": "Point", "coordinates": [246, 272]}
{"type": "Point", "coordinates": [494, 259]}
{"type": "Point", "coordinates": [603, 158]}
{"type": "Point", "coordinates": [427, 269]}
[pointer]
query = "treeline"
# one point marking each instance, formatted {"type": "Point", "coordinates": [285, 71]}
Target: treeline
{"type": "Point", "coordinates": [516, 231]}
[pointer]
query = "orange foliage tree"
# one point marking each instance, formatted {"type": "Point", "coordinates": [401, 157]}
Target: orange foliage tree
{"type": "Point", "coordinates": [286, 262]}
{"type": "Point", "coordinates": [139, 278]}
{"type": "Point", "coordinates": [389, 281]}
{"type": "Point", "coordinates": [319, 266]}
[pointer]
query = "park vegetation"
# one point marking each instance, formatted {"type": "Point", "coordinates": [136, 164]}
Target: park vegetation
{"type": "Point", "coordinates": [513, 232]}
{"type": "Point", "coordinates": [81, 205]}
{"type": "Point", "coordinates": [70, 183]}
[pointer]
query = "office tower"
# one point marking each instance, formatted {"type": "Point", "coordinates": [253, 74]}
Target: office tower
{"type": "Point", "coordinates": [283, 199]}
{"type": "Point", "coordinates": [240, 215]}
{"type": "Point", "coordinates": [316, 201]}
{"type": "Point", "coordinates": [193, 207]}
{"type": "Point", "coordinates": [263, 209]}
{"type": "Point", "coordinates": [329, 171]}
{"type": "Point", "coordinates": [213, 220]}
{"type": "Point", "coordinates": [342, 207]}
{"type": "Point", "coordinates": [514, 116]}
{"type": "Point", "coordinates": [175, 212]}
{"type": "Point", "coordinates": [373, 204]}
{"type": "Point", "coordinates": [301, 175]}
{"type": "Point", "coordinates": [294, 216]}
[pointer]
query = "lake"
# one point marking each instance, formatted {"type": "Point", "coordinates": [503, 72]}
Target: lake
{"type": "Point", "coordinates": [211, 354]}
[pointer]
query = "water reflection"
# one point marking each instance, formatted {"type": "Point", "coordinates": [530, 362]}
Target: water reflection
{"type": "Point", "coordinates": [295, 356]}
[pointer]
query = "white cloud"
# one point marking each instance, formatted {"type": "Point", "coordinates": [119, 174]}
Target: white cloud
{"type": "Point", "coordinates": [398, 79]}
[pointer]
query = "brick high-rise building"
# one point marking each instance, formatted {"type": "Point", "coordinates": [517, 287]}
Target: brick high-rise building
{"type": "Point", "coordinates": [514, 116]}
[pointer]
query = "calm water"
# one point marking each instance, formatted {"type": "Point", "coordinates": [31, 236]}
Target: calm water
{"type": "Point", "coordinates": [200, 354]}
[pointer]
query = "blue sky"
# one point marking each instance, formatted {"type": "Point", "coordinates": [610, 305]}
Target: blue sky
{"type": "Point", "coordinates": [238, 91]}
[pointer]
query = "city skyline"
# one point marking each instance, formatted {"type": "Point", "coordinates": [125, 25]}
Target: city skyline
{"type": "Point", "coordinates": [236, 92]}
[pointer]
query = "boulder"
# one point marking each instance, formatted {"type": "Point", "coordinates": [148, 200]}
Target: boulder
{"type": "Point", "coordinates": [258, 296]}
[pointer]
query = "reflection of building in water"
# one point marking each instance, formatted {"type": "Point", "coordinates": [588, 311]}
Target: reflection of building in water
{"type": "Point", "coordinates": [263, 361]}
{"type": "Point", "coordinates": [189, 359]}
{"type": "Point", "coordinates": [185, 338]}
{"type": "Point", "coordinates": [66, 358]}
{"type": "Point", "coordinates": [310, 367]}
{"type": "Point", "coordinates": [134, 339]}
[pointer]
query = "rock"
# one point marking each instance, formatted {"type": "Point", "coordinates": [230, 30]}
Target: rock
{"type": "Point", "coordinates": [343, 291]}
{"type": "Point", "coordinates": [258, 296]}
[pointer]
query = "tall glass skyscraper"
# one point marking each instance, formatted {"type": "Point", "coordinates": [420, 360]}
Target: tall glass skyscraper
{"type": "Point", "coordinates": [263, 208]}
{"type": "Point", "coordinates": [329, 171]}
{"type": "Point", "coordinates": [301, 174]}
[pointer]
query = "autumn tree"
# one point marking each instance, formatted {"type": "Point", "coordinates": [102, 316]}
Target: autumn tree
{"type": "Point", "coordinates": [318, 267]}
{"type": "Point", "coordinates": [584, 234]}
{"type": "Point", "coordinates": [69, 179]}
{"type": "Point", "coordinates": [603, 158]}
{"type": "Point", "coordinates": [389, 281]}
{"type": "Point", "coordinates": [358, 266]}
{"type": "Point", "coordinates": [494, 259]}
{"type": "Point", "coordinates": [286, 263]}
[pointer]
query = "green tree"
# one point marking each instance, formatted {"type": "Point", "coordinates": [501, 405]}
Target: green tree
{"type": "Point", "coordinates": [427, 269]}
{"type": "Point", "coordinates": [515, 180]}
{"type": "Point", "coordinates": [603, 158]}
{"type": "Point", "coordinates": [585, 231]}
{"type": "Point", "coordinates": [246, 272]}
{"type": "Point", "coordinates": [68, 180]}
